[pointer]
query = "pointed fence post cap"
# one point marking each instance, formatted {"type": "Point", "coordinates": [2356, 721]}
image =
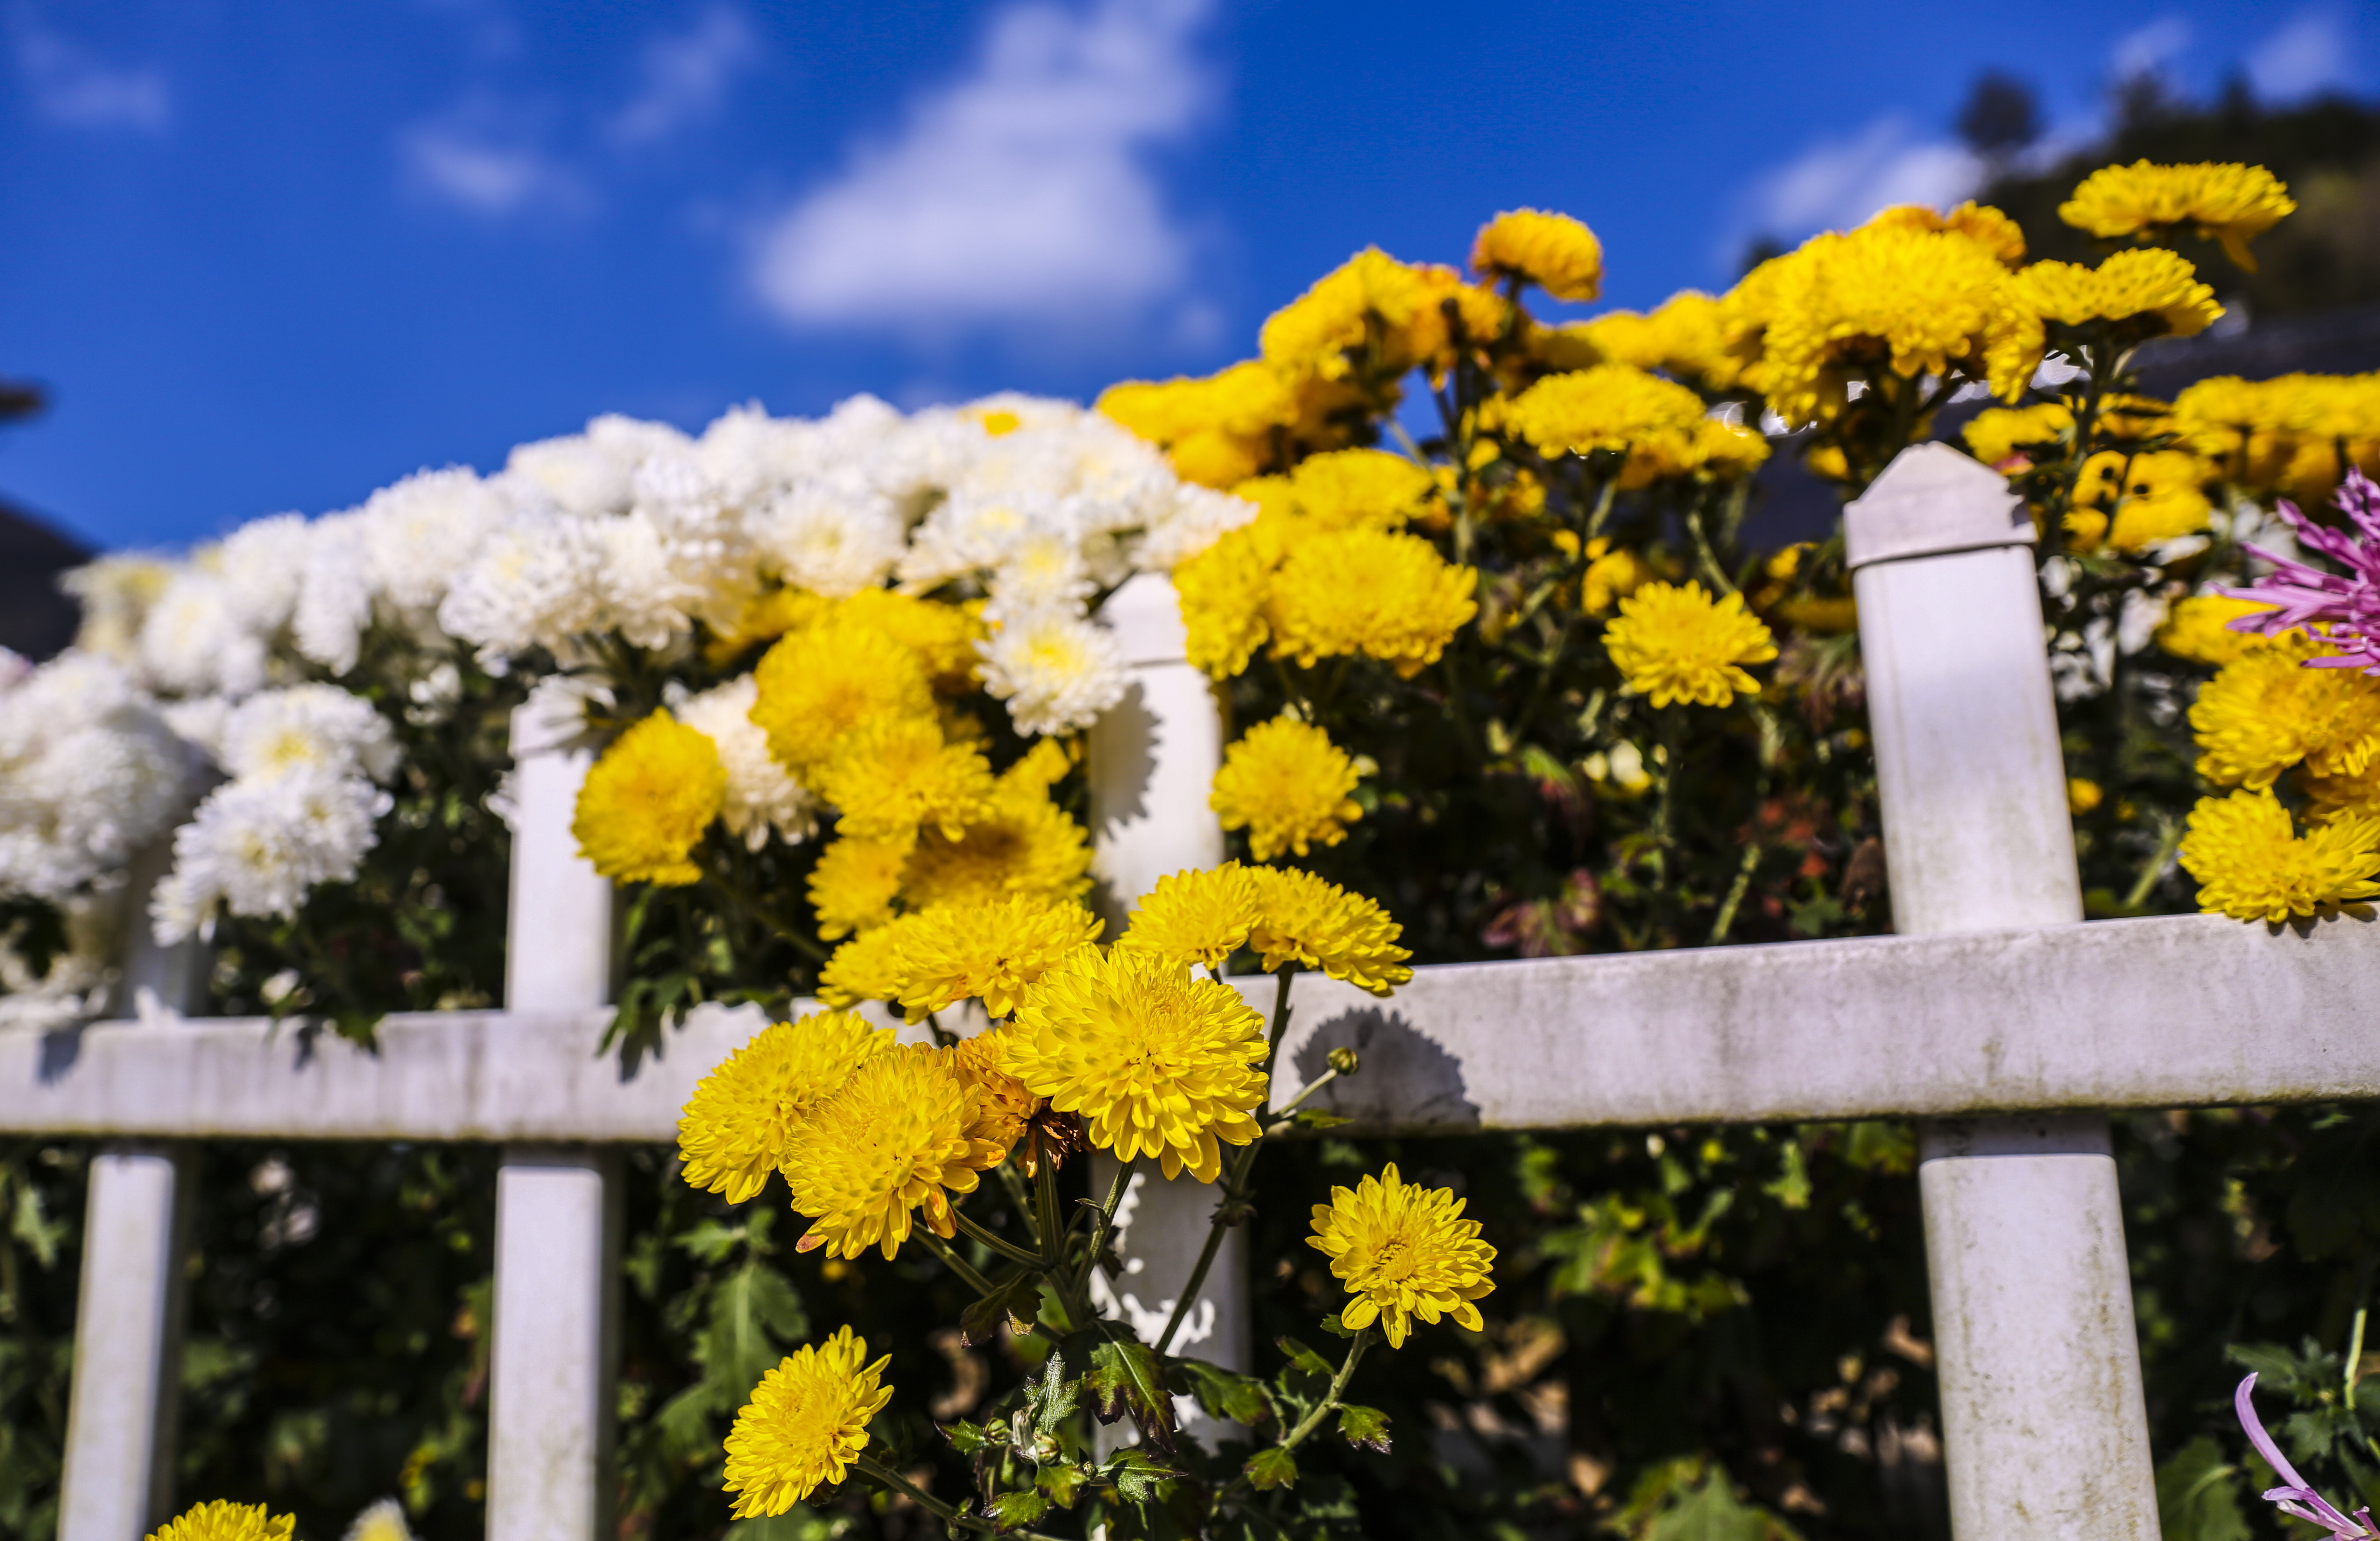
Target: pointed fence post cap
{"type": "Point", "coordinates": [1932, 500]}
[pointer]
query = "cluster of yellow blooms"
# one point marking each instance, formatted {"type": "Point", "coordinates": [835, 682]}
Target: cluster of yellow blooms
{"type": "Point", "coordinates": [1125, 1048]}
{"type": "Point", "coordinates": [2266, 716]}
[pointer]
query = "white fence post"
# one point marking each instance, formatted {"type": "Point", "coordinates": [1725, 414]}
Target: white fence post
{"type": "Point", "coordinates": [551, 1412]}
{"type": "Point", "coordinates": [2045, 1426]}
{"type": "Point", "coordinates": [1152, 765]}
{"type": "Point", "coordinates": [125, 1401]}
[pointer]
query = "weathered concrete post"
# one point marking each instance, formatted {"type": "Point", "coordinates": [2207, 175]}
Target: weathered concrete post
{"type": "Point", "coordinates": [2044, 1422]}
{"type": "Point", "coordinates": [557, 1207]}
{"type": "Point", "coordinates": [1152, 763]}
{"type": "Point", "coordinates": [123, 1407]}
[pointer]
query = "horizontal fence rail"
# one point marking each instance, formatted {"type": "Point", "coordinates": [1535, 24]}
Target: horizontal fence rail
{"type": "Point", "coordinates": [2184, 1011]}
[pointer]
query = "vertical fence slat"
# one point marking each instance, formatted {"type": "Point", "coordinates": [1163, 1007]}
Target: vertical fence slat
{"type": "Point", "coordinates": [124, 1402]}
{"type": "Point", "coordinates": [1152, 764]}
{"type": "Point", "coordinates": [557, 1208]}
{"type": "Point", "coordinates": [2044, 1426]}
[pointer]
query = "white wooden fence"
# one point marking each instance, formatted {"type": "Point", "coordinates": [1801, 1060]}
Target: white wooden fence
{"type": "Point", "coordinates": [1996, 1017]}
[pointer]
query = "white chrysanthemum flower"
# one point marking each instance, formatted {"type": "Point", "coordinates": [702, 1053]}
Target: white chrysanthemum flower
{"type": "Point", "coordinates": [1043, 571]}
{"type": "Point", "coordinates": [921, 459]}
{"type": "Point", "coordinates": [592, 472]}
{"type": "Point", "coordinates": [193, 640]}
{"type": "Point", "coordinates": [117, 593]}
{"type": "Point", "coordinates": [1056, 670]}
{"type": "Point", "coordinates": [645, 600]}
{"type": "Point", "coordinates": [830, 539]}
{"type": "Point", "coordinates": [383, 1521]}
{"type": "Point", "coordinates": [276, 733]}
{"type": "Point", "coordinates": [199, 721]}
{"type": "Point", "coordinates": [967, 535]}
{"type": "Point", "coordinates": [255, 847]}
{"type": "Point", "coordinates": [418, 532]}
{"type": "Point", "coordinates": [335, 603]}
{"type": "Point", "coordinates": [702, 534]}
{"type": "Point", "coordinates": [538, 580]}
{"type": "Point", "coordinates": [1195, 518]}
{"type": "Point", "coordinates": [761, 796]}
{"type": "Point", "coordinates": [261, 566]}
{"type": "Point", "coordinates": [89, 773]}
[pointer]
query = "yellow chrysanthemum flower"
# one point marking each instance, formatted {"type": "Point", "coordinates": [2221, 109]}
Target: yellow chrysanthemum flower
{"type": "Point", "coordinates": [1156, 1062]}
{"type": "Point", "coordinates": [1675, 644]}
{"type": "Point", "coordinates": [892, 1140]}
{"type": "Point", "coordinates": [2198, 628]}
{"type": "Point", "coordinates": [2155, 496]}
{"type": "Point", "coordinates": [1217, 431]}
{"type": "Point", "coordinates": [1611, 407]}
{"type": "Point", "coordinates": [987, 951]}
{"type": "Point", "coordinates": [2083, 796]}
{"type": "Point", "coordinates": [1554, 251]}
{"type": "Point", "coordinates": [1002, 1105]}
{"type": "Point", "coordinates": [1370, 299]}
{"type": "Point", "coordinates": [1998, 432]}
{"type": "Point", "coordinates": [1391, 597]}
{"type": "Point", "coordinates": [1024, 845]}
{"type": "Point", "coordinates": [2295, 434]}
{"type": "Point", "coordinates": [1287, 785]}
{"type": "Point", "coordinates": [1356, 488]}
{"type": "Point", "coordinates": [2227, 202]}
{"type": "Point", "coordinates": [736, 1126]}
{"type": "Point", "coordinates": [647, 801]}
{"type": "Point", "coordinates": [867, 967]}
{"type": "Point", "coordinates": [1612, 574]}
{"type": "Point", "coordinates": [940, 635]}
{"type": "Point", "coordinates": [2265, 711]}
{"type": "Point", "coordinates": [1304, 920]}
{"type": "Point", "coordinates": [1987, 226]}
{"type": "Point", "coordinates": [820, 684]}
{"type": "Point", "coordinates": [1403, 1251]}
{"type": "Point", "coordinates": [894, 775]}
{"type": "Point", "coordinates": [1223, 593]}
{"type": "Point", "coordinates": [222, 1521]}
{"type": "Point", "coordinates": [1918, 301]}
{"type": "Point", "coordinates": [853, 884]}
{"type": "Point", "coordinates": [805, 1425]}
{"type": "Point", "coordinates": [2156, 290]}
{"type": "Point", "coordinates": [1196, 916]}
{"type": "Point", "coordinates": [2252, 864]}
{"type": "Point", "coordinates": [2327, 796]}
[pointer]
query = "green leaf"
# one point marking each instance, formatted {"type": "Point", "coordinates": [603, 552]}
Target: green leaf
{"type": "Point", "coordinates": [1314, 1118]}
{"type": "Point", "coordinates": [1364, 1426]}
{"type": "Point", "coordinates": [753, 1311]}
{"type": "Point", "coordinates": [1138, 1475]}
{"type": "Point", "coordinates": [1337, 1328]}
{"type": "Point", "coordinates": [966, 1438]}
{"type": "Point", "coordinates": [1237, 1399]}
{"type": "Point", "coordinates": [1017, 1301]}
{"type": "Point", "coordinates": [1712, 1513]}
{"type": "Point", "coordinates": [1015, 1510]}
{"type": "Point", "coordinates": [1305, 1359]}
{"type": "Point", "coordinates": [1127, 1378]}
{"type": "Point", "coordinates": [1271, 1468]}
{"type": "Point", "coordinates": [1062, 1481]}
{"type": "Point", "coordinates": [2198, 1495]}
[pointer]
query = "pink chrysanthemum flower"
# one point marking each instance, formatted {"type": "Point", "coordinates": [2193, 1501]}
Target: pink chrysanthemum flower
{"type": "Point", "coordinates": [2346, 607]}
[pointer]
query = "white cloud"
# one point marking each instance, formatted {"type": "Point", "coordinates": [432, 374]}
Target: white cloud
{"type": "Point", "coordinates": [1019, 192]}
{"type": "Point", "coordinates": [68, 85]}
{"type": "Point", "coordinates": [484, 157]}
{"type": "Point", "coordinates": [2311, 52]}
{"type": "Point", "coordinates": [2147, 50]}
{"type": "Point", "coordinates": [1837, 183]}
{"type": "Point", "coordinates": [685, 75]}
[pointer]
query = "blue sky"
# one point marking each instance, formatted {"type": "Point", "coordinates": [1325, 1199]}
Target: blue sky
{"type": "Point", "coordinates": [271, 254]}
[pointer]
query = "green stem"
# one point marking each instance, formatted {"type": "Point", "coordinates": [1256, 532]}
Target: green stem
{"type": "Point", "coordinates": [1279, 1012]}
{"type": "Point", "coordinates": [1704, 556]}
{"type": "Point", "coordinates": [1045, 1205]}
{"type": "Point", "coordinates": [955, 1263]}
{"type": "Point", "coordinates": [1106, 1221]}
{"type": "Point", "coordinates": [1726, 921]}
{"type": "Point", "coordinates": [869, 1467]}
{"type": "Point", "coordinates": [1283, 1122]}
{"type": "Point", "coordinates": [1007, 1249]}
{"type": "Point", "coordinates": [1328, 1405]}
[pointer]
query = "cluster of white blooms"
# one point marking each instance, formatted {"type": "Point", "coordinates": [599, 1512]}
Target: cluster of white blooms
{"type": "Point", "coordinates": [305, 762]}
{"type": "Point", "coordinates": [636, 530]}
{"type": "Point", "coordinates": [629, 534]}
{"type": "Point", "coordinates": [89, 772]}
